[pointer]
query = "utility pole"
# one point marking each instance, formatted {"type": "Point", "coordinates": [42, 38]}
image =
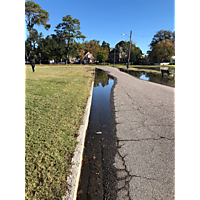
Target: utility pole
{"type": "Point", "coordinates": [114, 56]}
{"type": "Point", "coordinates": [129, 53]}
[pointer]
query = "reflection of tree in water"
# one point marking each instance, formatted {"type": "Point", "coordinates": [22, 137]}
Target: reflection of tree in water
{"type": "Point", "coordinates": [100, 77]}
{"type": "Point", "coordinates": [155, 77]}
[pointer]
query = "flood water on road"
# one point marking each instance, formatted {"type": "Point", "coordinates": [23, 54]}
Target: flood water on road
{"type": "Point", "coordinates": [99, 143]}
{"type": "Point", "coordinates": [168, 80]}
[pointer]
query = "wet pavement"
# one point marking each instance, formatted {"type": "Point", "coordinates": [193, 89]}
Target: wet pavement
{"type": "Point", "coordinates": [142, 161]}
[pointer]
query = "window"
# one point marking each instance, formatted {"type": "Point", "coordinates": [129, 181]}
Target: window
{"type": "Point", "coordinates": [90, 61]}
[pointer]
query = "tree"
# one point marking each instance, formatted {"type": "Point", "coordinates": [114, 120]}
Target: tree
{"type": "Point", "coordinates": [46, 47]}
{"type": "Point", "coordinates": [136, 54]}
{"type": "Point", "coordinates": [122, 49]}
{"type": "Point", "coordinates": [162, 51]}
{"type": "Point", "coordinates": [75, 50]}
{"type": "Point", "coordinates": [105, 47]}
{"type": "Point", "coordinates": [60, 48]}
{"type": "Point", "coordinates": [93, 47]}
{"type": "Point", "coordinates": [69, 29]}
{"type": "Point", "coordinates": [102, 56]}
{"type": "Point", "coordinates": [34, 38]}
{"type": "Point", "coordinates": [161, 35]}
{"type": "Point", "coordinates": [81, 55]}
{"type": "Point", "coordinates": [35, 15]}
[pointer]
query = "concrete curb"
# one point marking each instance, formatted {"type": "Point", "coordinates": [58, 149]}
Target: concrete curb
{"type": "Point", "coordinates": [73, 179]}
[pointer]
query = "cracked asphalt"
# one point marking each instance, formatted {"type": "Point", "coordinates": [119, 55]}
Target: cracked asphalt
{"type": "Point", "coordinates": [145, 124]}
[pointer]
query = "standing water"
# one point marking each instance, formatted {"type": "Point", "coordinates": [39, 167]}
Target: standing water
{"type": "Point", "coordinates": [100, 144]}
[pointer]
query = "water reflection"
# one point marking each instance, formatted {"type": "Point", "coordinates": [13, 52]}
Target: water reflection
{"type": "Point", "coordinates": [144, 77]}
{"type": "Point", "coordinates": [155, 77]}
{"type": "Point", "coordinates": [171, 69]}
{"type": "Point", "coordinates": [99, 143]}
{"type": "Point", "coordinates": [101, 78]}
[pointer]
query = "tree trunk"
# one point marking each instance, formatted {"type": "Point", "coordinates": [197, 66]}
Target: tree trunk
{"type": "Point", "coordinates": [67, 53]}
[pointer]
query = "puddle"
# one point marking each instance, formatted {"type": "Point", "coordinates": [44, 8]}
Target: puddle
{"type": "Point", "coordinates": [99, 143]}
{"type": "Point", "coordinates": [168, 80]}
{"type": "Point", "coordinates": [171, 69]}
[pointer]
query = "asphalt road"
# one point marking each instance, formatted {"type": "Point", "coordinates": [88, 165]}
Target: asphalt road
{"type": "Point", "coordinates": [144, 159]}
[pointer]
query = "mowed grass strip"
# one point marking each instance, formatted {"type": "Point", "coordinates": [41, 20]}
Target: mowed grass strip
{"type": "Point", "coordinates": [55, 103]}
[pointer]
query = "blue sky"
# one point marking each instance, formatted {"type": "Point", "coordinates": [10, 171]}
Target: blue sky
{"type": "Point", "coordinates": [106, 20]}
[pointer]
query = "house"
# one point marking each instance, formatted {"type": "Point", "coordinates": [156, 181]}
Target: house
{"type": "Point", "coordinates": [117, 56]}
{"type": "Point", "coordinates": [88, 58]}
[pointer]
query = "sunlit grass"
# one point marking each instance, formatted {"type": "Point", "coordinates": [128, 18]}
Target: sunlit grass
{"type": "Point", "coordinates": [55, 104]}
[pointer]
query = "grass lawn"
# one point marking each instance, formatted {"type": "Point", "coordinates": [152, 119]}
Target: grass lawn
{"type": "Point", "coordinates": [116, 65]}
{"type": "Point", "coordinates": [55, 103]}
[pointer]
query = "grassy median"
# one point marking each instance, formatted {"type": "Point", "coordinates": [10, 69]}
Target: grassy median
{"type": "Point", "coordinates": [55, 103]}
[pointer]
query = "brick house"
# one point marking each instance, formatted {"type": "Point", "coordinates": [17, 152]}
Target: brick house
{"type": "Point", "coordinates": [88, 58]}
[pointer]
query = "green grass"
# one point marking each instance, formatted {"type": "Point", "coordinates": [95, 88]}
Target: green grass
{"type": "Point", "coordinates": [55, 104]}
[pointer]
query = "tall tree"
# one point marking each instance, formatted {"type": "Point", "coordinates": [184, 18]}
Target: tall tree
{"type": "Point", "coordinates": [60, 48]}
{"type": "Point", "coordinates": [93, 47]}
{"type": "Point", "coordinates": [136, 54]}
{"type": "Point", "coordinates": [48, 48]}
{"type": "Point", "coordinates": [69, 29]}
{"type": "Point", "coordinates": [122, 49]}
{"type": "Point", "coordinates": [162, 51]}
{"type": "Point", "coordinates": [105, 47]}
{"type": "Point", "coordinates": [35, 15]}
{"type": "Point", "coordinates": [102, 56]}
{"type": "Point", "coordinates": [161, 35]}
{"type": "Point", "coordinates": [34, 38]}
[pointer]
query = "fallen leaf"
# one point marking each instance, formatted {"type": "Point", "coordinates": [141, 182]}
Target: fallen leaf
{"type": "Point", "coordinates": [94, 157]}
{"type": "Point", "coordinates": [98, 132]}
{"type": "Point", "coordinates": [80, 192]}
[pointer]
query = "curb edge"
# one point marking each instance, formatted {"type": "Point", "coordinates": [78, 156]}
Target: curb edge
{"type": "Point", "coordinates": [76, 163]}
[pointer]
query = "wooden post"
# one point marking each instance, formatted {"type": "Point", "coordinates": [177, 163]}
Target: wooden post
{"type": "Point", "coordinates": [129, 53]}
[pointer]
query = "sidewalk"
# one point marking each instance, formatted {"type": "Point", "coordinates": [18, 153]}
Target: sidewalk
{"type": "Point", "coordinates": [144, 116]}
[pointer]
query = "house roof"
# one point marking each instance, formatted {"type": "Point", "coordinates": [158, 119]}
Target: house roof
{"type": "Point", "coordinates": [87, 54]}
